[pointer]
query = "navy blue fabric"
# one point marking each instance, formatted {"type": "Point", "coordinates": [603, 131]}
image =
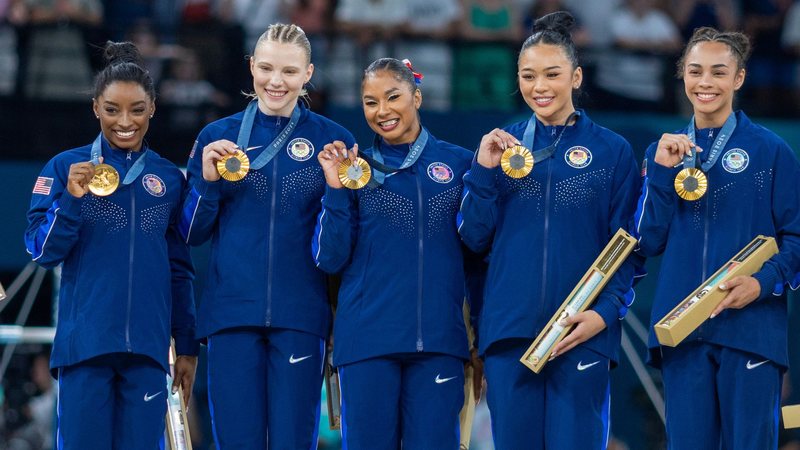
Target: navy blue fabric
{"type": "Point", "coordinates": [543, 231]}
{"type": "Point", "coordinates": [400, 257]}
{"type": "Point", "coordinates": [697, 238]}
{"type": "Point", "coordinates": [260, 272]}
{"type": "Point", "coordinates": [126, 283]}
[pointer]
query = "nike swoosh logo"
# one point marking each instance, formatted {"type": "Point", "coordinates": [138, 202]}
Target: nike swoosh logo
{"type": "Point", "coordinates": [442, 380]}
{"type": "Point", "coordinates": [582, 366]}
{"type": "Point", "coordinates": [751, 366]}
{"type": "Point", "coordinates": [147, 398]}
{"type": "Point", "coordinates": [293, 360]}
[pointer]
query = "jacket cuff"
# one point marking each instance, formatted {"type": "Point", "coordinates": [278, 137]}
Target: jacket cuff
{"type": "Point", "coordinates": [208, 189]}
{"type": "Point", "coordinates": [482, 176]}
{"type": "Point", "coordinates": [606, 306]}
{"type": "Point", "coordinates": [336, 198]}
{"type": "Point", "coordinates": [767, 279]}
{"type": "Point", "coordinates": [70, 205]}
{"type": "Point", "coordinates": [661, 177]}
{"type": "Point", "coordinates": [187, 345]}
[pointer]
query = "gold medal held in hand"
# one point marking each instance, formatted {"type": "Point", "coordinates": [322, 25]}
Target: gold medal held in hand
{"type": "Point", "coordinates": [234, 167]}
{"type": "Point", "coordinates": [517, 161]}
{"type": "Point", "coordinates": [691, 184]}
{"type": "Point", "coordinates": [105, 180]}
{"type": "Point", "coordinates": [355, 175]}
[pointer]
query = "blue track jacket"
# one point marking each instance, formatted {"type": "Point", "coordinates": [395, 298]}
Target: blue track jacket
{"type": "Point", "coordinates": [260, 272]}
{"type": "Point", "coordinates": [754, 188]}
{"type": "Point", "coordinates": [126, 282]}
{"type": "Point", "coordinates": [545, 230]}
{"type": "Point", "coordinates": [400, 256]}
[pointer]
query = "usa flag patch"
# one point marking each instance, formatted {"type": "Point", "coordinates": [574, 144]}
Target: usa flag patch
{"type": "Point", "coordinates": [43, 185]}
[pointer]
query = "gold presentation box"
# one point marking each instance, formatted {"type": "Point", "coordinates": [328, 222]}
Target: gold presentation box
{"type": "Point", "coordinates": [791, 416]}
{"type": "Point", "coordinates": [697, 306]}
{"type": "Point", "coordinates": [333, 395]}
{"type": "Point", "coordinates": [602, 269]}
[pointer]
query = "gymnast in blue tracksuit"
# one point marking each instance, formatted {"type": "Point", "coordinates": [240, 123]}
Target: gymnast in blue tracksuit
{"type": "Point", "coordinates": [264, 308]}
{"type": "Point", "coordinates": [399, 337]}
{"type": "Point", "coordinates": [126, 282]}
{"type": "Point", "coordinates": [723, 382]}
{"type": "Point", "coordinates": [543, 232]}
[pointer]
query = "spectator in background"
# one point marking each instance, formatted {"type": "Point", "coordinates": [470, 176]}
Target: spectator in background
{"type": "Point", "coordinates": [430, 27]}
{"type": "Point", "coordinates": [692, 14]}
{"type": "Point", "coordinates": [315, 17]}
{"type": "Point", "coordinates": [481, 76]}
{"type": "Point", "coordinates": [633, 77]}
{"type": "Point", "coordinates": [40, 410]}
{"type": "Point", "coordinates": [13, 13]}
{"type": "Point", "coordinates": [154, 54]}
{"type": "Point", "coordinates": [192, 99]}
{"type": "Point", "coordinates": [595, 16]}
{"type": "Point", "coordinates": [58, 65]}
{"type": "Point", "coordinates": [790, 40]}
{"type": "Point", "coordinates": [252, 15]}
{"type": "Point", "coordinates": [769, 72]}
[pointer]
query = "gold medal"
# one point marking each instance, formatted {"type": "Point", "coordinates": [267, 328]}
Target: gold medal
{"type": "Point", "coordinates": [517, 161]}
{"type": "Point", "coordinates": [105, 180]}
{"type": "Point", "coordinates": [234, 167]}
{"type": "Point", "coordinates": [354, 176]}
{"type": "Point", "coordinates": [691, 184]}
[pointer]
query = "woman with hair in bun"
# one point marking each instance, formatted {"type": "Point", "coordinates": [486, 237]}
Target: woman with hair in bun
{"type": "Point", "coordinates": [108, 212]}
{"type": "Point", "coordinates": [722, 384]}
{"type": "Point", "coordinates": [543, 231]}
{"type": "Point", "coordinates": [255, 192]}
{"type": "Point", "coordinates": [400, 341]}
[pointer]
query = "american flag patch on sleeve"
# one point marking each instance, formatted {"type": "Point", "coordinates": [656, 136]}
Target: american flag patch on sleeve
{"type": "Point", "coordinates": [43, 185]}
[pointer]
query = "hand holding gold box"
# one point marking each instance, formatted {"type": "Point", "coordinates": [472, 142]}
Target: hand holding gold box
{"type": "Point", "coordinates": [697, 306]}
{"type": "Point", "coordinates": [590, 286]}
{"type": "Point", "coordinates": [177, 421]}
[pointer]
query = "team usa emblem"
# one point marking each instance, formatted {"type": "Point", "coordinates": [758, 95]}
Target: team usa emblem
{"type": "Point", "coordinates": [154, 185]}
{"type": "Point", "coordinates": [300, 149]}
{"type": "Point", "coordinates": [440, 172]}
{"type": "Point", "coordinates": [578, 157]}
{"type": "Point", "coordinates": [735, 160]}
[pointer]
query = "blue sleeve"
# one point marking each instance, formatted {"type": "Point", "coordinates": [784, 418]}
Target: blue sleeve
{"type": "Point", "coordinates": [201, 206]}
{"type": "Point", "coordinates": [477, 215]}
{"type": "Point", "coordinates": [784, 267]}
{"type": "Point", "coordinates": [656, 207]}
{"type": "Point", "coordinates": [183, 308]}
{"type": "Point", "coordinates": [336, 230]}
{"type": "Point", "coordinates": [54, 219]}
{"type": "Point", "coordinates": [475, 268]}
{"type": "Point", "coordinates": [617, 296]}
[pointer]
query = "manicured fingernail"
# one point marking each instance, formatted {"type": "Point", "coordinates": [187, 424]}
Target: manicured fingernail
{"type": "Point", "coordinates": [174, 389]}
{"type": "Point", "coordinates": [723, 286]}
{"type": "Point", "coordinates": [712, 316]}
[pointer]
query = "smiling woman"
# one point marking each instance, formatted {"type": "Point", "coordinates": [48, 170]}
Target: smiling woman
{"type": "Point", "coordinates": [108, 212]}
{"type": "Point", "coordinates": [398, 320]}
{"type": "Point", "coordinates": [753, 187]}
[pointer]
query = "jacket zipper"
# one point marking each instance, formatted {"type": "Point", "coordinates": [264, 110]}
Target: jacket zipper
{"type": "Point", "coordinates": [130, 260]}
{"type": "Point", "coordinates": [421, 265]}
{"type": "Point", "coordinates": [268, 318]}
{"type": "Point", "coordinates": [545, 238]}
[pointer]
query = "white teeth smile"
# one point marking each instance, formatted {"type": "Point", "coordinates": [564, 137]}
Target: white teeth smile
{"type": "Point", "coordinates": [125, 134]}
{"type": "Point", "coordinates": [706, 96]}
{"type": "Point", "coordinates": [543, 99]}
{"type": "Point", "coordinates": [276, 93]}
{"type": "Point", "coordinates": [388, 123]}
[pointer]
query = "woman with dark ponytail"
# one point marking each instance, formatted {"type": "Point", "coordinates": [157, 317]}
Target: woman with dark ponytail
{"type": "Point", "coordinates": [108, 213]}
{"type": "Point", "coordinates": [400, 341]}
{"type": "Point", "coordinates": [544, 229]}
{"type": "Point", "coordinates": [722, 384]}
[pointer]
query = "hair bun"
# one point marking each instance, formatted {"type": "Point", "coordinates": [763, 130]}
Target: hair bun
{"type": "Point", "coordinates": [121, 52]}
{"type": "Point", "coordinates": [560, 22]}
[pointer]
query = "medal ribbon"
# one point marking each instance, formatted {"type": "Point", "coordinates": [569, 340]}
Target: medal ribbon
{"type": "Point", "coordinates": [135, 170]}
{"type": "Point", "coordinates": [530, 133]}
{"type": "Point", "coordinates": [381, 171]}
{"type": "Point", "coordinates": [716, 149]}
{"type": "Point", "coordinates": [243, 140]}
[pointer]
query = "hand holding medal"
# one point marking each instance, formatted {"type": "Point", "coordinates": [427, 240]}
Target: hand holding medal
{"type": "Point", "coordinates": [494, 147]}
{"type": "Point", "coordinates": [105, 179]}
{"type": "Point", "coordinates": [225, 159]}
{"type": "Point", "coordinates": [79, 178]}
{"type": "Point", "coordinates": [690, 183]}
{"type": "Point", "coordinates": [343, 167]}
